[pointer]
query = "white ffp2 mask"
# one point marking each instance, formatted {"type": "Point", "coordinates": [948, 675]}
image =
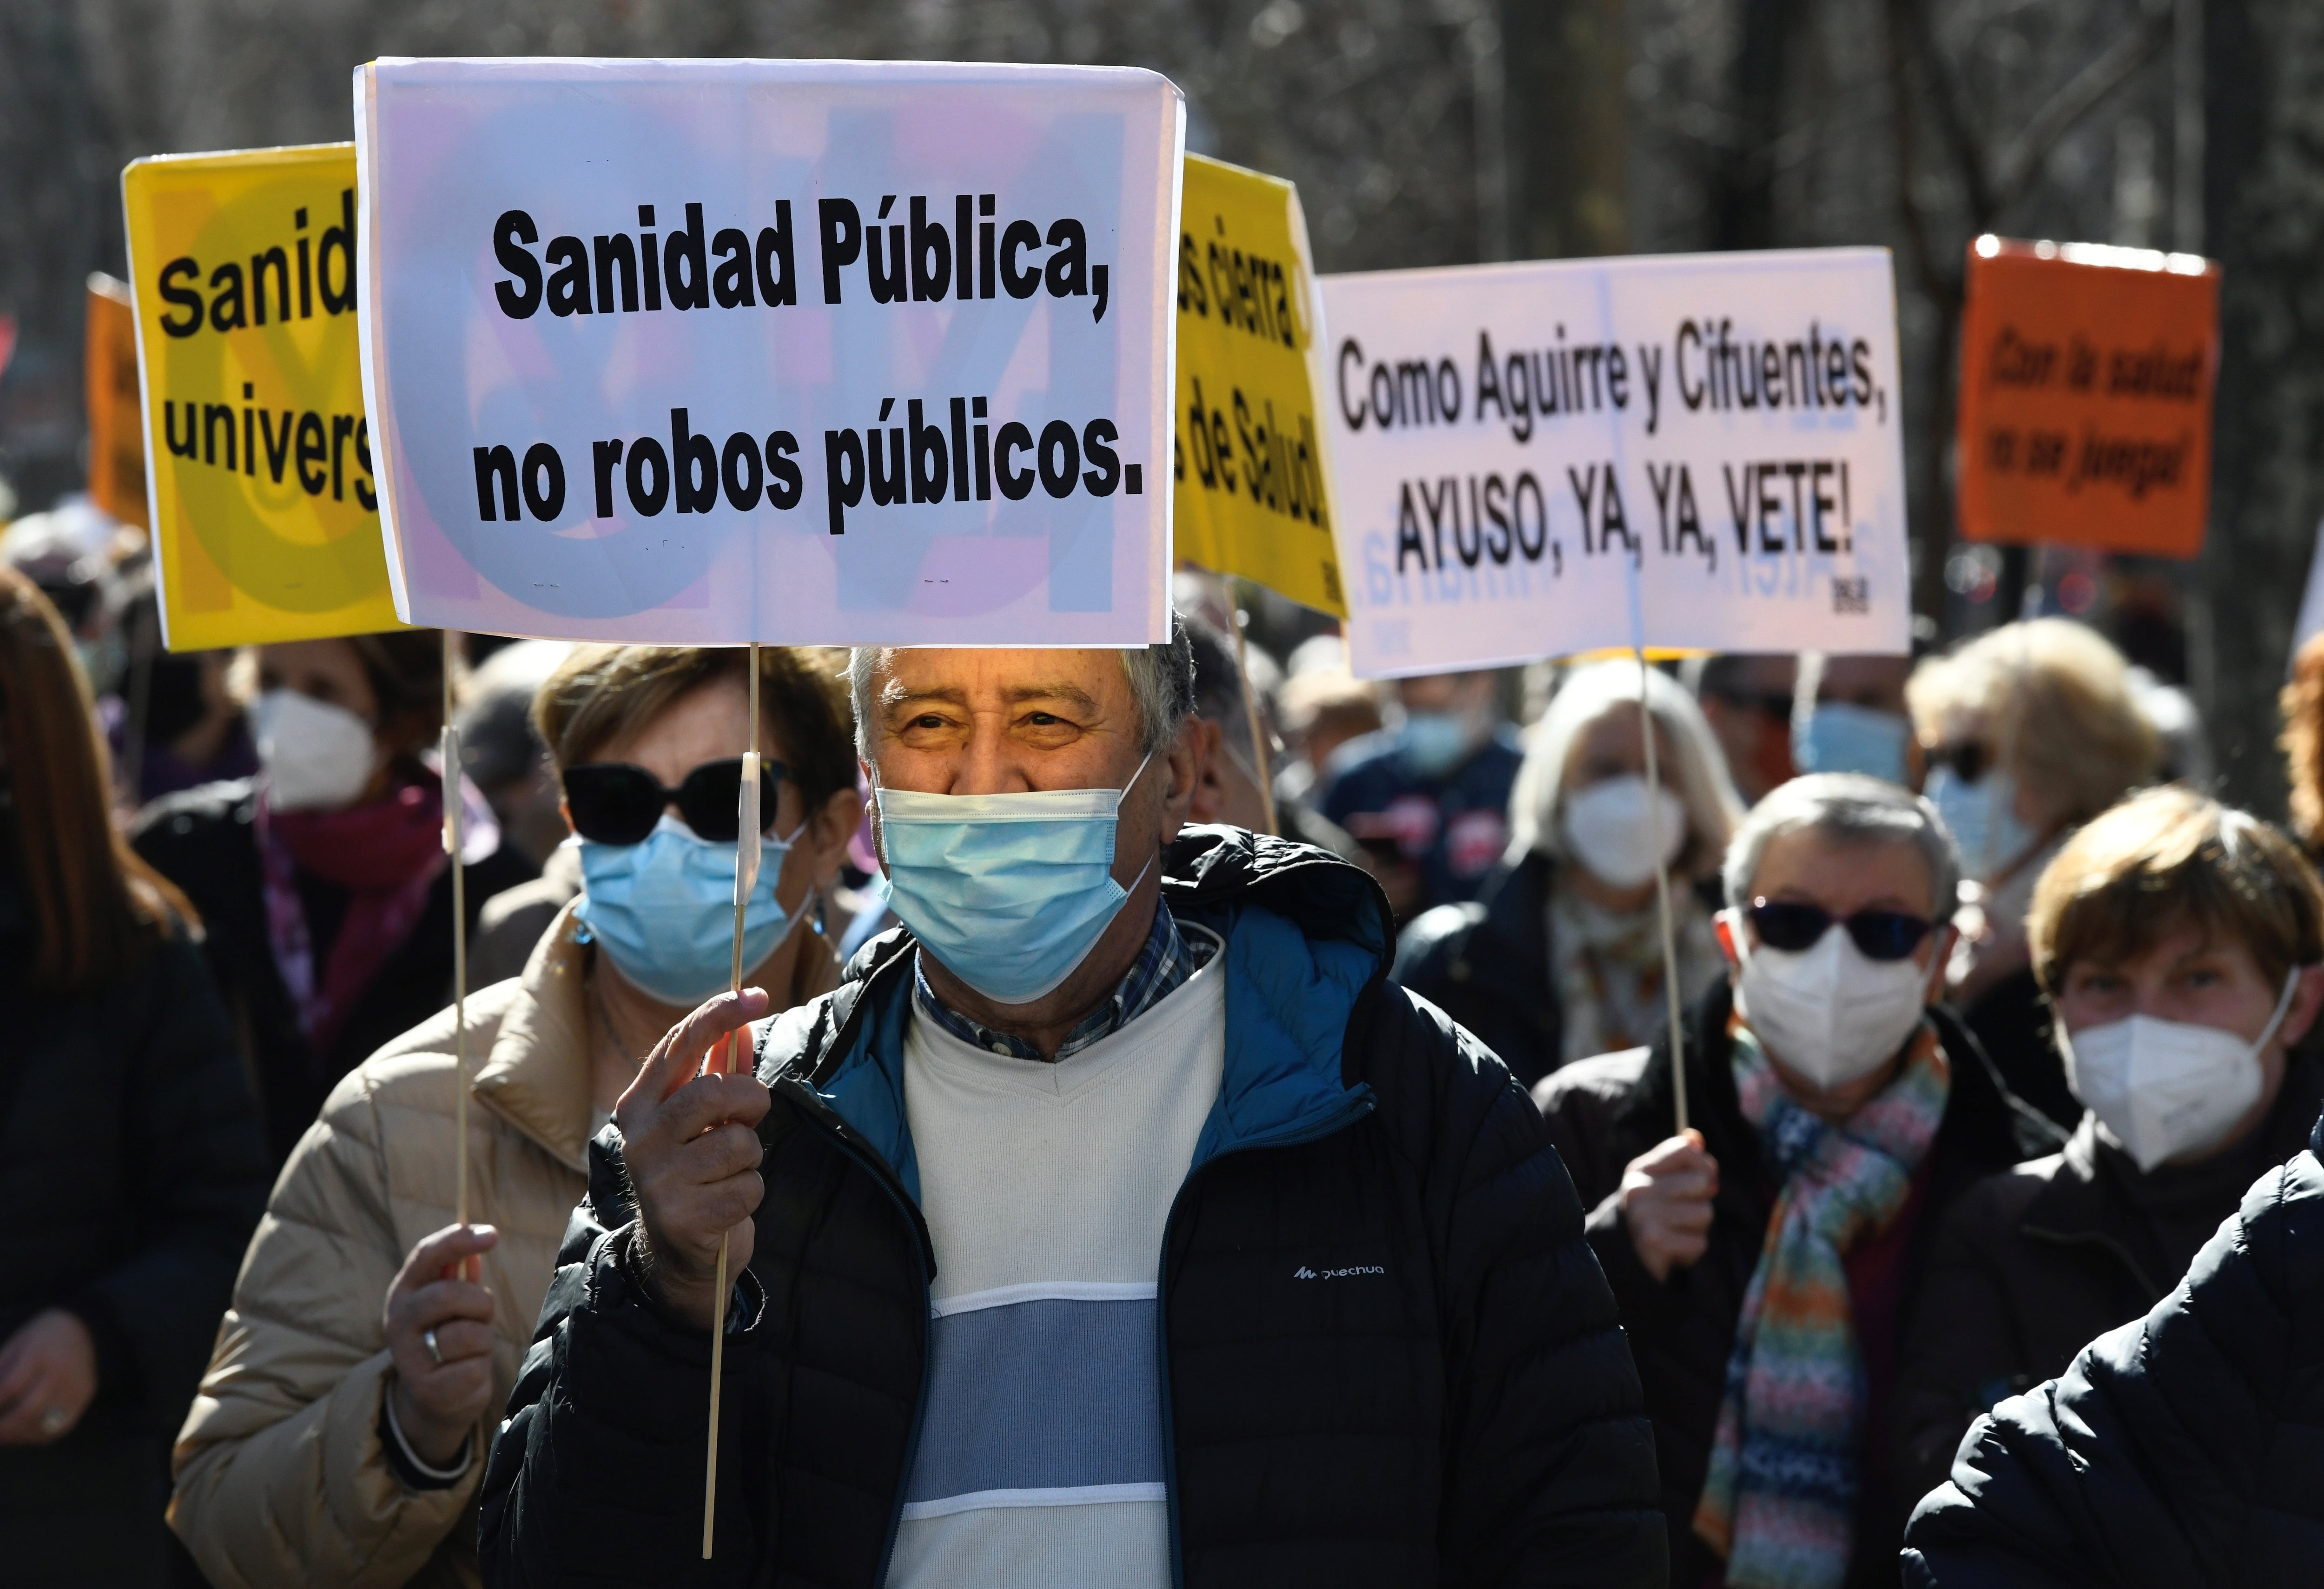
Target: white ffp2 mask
{"type": "Point", "coordinates": [316, 757]}
{"type": "Point", "coordinates": [1617, 831]}
{"type": "Point", "coordinates": [1829, 1013]}
{"type": "Point", "coordinates": [2166, 1089]}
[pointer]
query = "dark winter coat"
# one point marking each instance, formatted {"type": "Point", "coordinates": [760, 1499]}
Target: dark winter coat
{"type": "Point", "coordinates": [1473, 1418]}
{"type": "Point", "coordinates": [1603, 1112]}
{"type": "Point", "coordinates": [2013, 1020]}
{"type": "Point", "coordinates": [2184, 1448]}
{"type": "Point", "coordinates": [130, 1153]}
{"type": "Point", "coordinates": [2033, 1264]}
{"type": "Point", "coordinates": [204, 841]}
{"type": "Point", "coordinates": [1486, 963]}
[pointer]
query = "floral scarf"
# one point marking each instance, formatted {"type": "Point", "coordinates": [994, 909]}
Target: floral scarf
{"type": "Point", "coordinates": [1780, 1500]}
{"type": "Point", "coordinates": [1607, 968]}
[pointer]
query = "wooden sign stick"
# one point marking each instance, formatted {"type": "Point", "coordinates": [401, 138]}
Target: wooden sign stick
{"type": "Point", "coordinates": [447, 750]}
{"type": "Point", "coordinates": [1662, 899]}
{"type": "Point", "coordinates": [1261, 763]}
{"type": "Point", "coordinates": [746, 878]}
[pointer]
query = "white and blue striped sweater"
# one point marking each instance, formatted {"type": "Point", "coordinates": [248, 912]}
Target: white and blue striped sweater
{"type": "Point", "coordinates": [1046, 1189]}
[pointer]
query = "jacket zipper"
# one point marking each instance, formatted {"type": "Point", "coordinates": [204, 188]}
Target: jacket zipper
{"type": "Point", "coordinates": [886, 1179]}
{"type": "Point", "coordinates": [1355, 1110]}
{"type": "Point", "coordinates": [827, 1120]}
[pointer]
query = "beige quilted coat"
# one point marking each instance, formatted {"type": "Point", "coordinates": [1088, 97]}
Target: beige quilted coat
{"type": "Point", "coordinates": [280, 1477]}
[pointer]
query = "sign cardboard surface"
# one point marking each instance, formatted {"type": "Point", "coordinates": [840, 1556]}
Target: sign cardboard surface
{"type": "Point", "coordinates": [803, 352]}
{"type": "Point", "coordinates": [116, 425]}
{"type": "Point", "coordinates": [262, 496]}
{"type": "Point", "coordinates": [1253, 489]}
{"type": "Point", "coordinates": [1685, 451]}
{"type": "Point", "coordinates": [2087, 375]}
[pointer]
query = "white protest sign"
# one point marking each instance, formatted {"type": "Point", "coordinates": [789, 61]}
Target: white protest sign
{"type": "Point", "coordinates": [1684, 451]}
{"type": "Point", "coordinates": [801, 352]}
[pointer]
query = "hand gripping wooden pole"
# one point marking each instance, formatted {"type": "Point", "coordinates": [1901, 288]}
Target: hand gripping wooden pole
{"type": "Point", "coordinates": [748, 827]}
{"type": "Point", "coordinates": [1661, 899]}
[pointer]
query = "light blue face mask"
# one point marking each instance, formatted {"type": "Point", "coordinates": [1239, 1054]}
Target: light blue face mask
{"type": "Point", "coordinates": [1009, 892]}
{"type": "Point", "coordinates": [1434, 743]}
{"type": "Point", "coordinates": [664, 910]}
{"type": "Point", "coordinates": [1983, 818]}
{"type": "Point", "coordinates": [1838, 736]}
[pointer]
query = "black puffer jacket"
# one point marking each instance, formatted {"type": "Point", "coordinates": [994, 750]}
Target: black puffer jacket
{"type": "Point", "coordinates": [1605, 1111]}
{"type": "Point", "coordinates": [2033, 1264]}
{"type": "Point", "coordinates": [130, 1151]}
{"type": "Point", "coordinates": [1471, 1418]}
{"type": "Point", "coordinates": [2186, 1448]}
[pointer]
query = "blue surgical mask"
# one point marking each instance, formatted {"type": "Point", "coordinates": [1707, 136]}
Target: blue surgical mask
{"type": "Point", "coordinates": [1434, 743]}
{"type": "Point", "coordinates": [1983, 819]}
{"type": "Point", "coordinates": [1008, 891]}
{"type": "Point", "coordinates": [1838, 736]}
{"type": "Point", "coordinates": [664, 910]}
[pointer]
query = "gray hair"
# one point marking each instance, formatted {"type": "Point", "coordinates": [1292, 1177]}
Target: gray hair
{"type": "Point", "coordinates": [1161, 682]}
{"type": "Point", "coordinates": [1848, 807]}
{"type": "Point", "coordinates": [1697, 772]}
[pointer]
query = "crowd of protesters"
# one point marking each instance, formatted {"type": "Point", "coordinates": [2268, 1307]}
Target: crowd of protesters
{"type": "Point", "coordinates": [1125, 1188]}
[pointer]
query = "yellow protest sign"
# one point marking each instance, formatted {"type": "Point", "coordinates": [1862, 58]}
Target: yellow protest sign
{"type": "Point", "coordinates": [263, 493]}
{"type": "Point", "coordinates": [117, 430]}
{"type": "Point", "coordinates": [1252, 497]}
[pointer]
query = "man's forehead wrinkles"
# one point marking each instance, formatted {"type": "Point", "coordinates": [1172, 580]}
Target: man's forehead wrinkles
{"type": "Point", "coordinates": [1052, 690]}
{"type": "Point", "coordinates": [898, 694]}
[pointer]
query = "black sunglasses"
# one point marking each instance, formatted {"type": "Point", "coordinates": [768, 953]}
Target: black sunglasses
{"type": "Point", "coordinates": [616, 803]}
{"type": "Point", "coordinates": [1967, 759]}
{"type": "Point", "coordinates": [1793, 926]}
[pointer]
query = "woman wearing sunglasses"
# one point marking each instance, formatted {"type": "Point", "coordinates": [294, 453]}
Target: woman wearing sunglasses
{"type": "Point", "coordinates": [2182, 944]}
{"type": "Point", "coordinates": [343, 1426]}
{"type": "Point", "coordinates": [1765, 1259]}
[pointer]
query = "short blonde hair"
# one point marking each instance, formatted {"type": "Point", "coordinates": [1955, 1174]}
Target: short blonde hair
{"type": "Point", "coordinates": [2161, 861]}
{"type": "Point", "coordinates": [2053, 702]}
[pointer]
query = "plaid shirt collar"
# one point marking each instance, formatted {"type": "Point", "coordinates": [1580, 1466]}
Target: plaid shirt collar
{"type": "Point", "coordinates": [1167, 959]}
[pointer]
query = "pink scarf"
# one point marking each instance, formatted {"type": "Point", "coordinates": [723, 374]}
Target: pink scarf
{"type": "Point", "coordinates": [386, 855]}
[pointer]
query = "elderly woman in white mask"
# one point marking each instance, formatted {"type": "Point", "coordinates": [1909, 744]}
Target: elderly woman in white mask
{"type": "Point", "coordinates": [1561, 956]}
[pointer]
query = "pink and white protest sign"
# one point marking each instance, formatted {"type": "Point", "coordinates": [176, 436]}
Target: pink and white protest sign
{"type": "Point", "coordinates": [801, 352]}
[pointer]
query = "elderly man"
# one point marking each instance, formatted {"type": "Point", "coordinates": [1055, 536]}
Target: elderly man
{"type": "Point", "coordinates": [1765, 1258]}
{"type": "Point", "coordinates": [1115, 1222]}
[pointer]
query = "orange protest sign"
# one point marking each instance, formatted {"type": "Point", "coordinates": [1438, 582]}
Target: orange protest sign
{"type": "Point", "coordinates": [117, 424]}
{"type": "Point", "coordinates": [2086, 396]}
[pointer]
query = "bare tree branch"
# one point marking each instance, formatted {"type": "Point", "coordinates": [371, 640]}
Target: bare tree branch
{"type": "Point", "coordinates": [1938, 285]}
{"type": "Point", "coordinates": [2020, 165]}
{"type": "Point", "coordinates": [1908, 22]}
